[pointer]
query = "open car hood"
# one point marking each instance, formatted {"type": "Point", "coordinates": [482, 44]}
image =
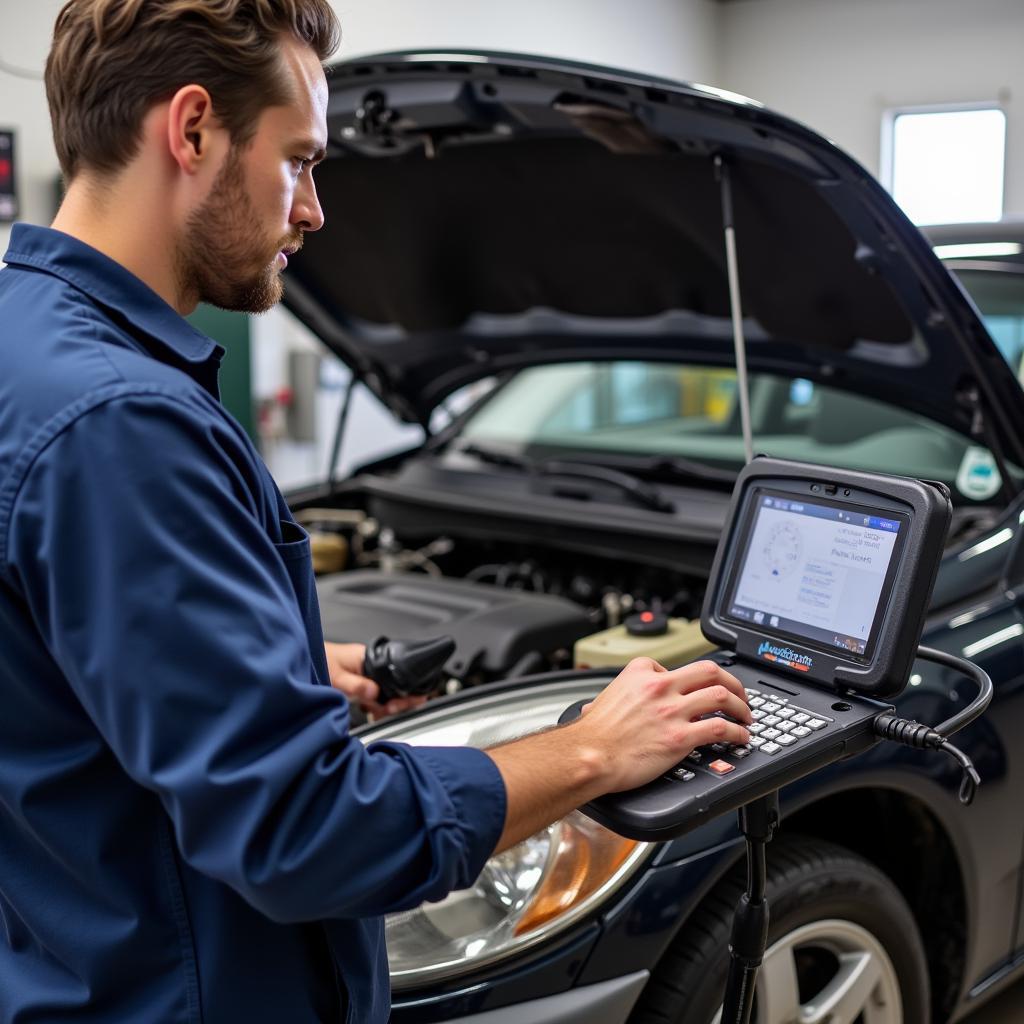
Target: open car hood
{"type": "Point", "coordinates": [488, 211]}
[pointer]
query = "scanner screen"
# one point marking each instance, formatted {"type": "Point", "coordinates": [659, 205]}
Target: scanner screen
{"type": "Point", "coordinates": [815, 571]}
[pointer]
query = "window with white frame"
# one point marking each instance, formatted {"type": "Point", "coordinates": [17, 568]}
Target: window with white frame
{"type": "Point", "coordinates": [944, 165]}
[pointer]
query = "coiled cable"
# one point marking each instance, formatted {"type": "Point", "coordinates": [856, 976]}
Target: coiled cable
{"type": "Point", "coordinates": [924, 737]}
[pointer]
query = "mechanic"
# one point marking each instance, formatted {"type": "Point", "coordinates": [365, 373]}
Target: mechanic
{"type": "Point", "coordinates": [187, 830]}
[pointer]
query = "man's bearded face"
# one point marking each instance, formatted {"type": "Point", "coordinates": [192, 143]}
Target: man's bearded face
{"type": "Point", "coordinates": [225, 258]}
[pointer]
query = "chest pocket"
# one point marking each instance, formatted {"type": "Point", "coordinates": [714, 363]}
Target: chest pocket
{"type": "Point", "coordinates": [295, 553]}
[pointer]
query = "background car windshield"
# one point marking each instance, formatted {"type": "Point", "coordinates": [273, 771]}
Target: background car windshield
{"type": "Point", "coordinates": [999, 295]}
{"type": "Point", "coordinates": [643, 409]}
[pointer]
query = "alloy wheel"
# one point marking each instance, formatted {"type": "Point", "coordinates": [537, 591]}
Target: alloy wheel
{"type": "Point", "coordinates": [827, 972]}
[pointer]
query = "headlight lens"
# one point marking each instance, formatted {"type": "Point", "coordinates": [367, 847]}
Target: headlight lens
{"type": "Point", "coordinates": [530, 891]}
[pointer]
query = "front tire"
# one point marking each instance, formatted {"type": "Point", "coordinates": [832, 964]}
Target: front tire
{"type": "Point", "coordinates": [843, 947]}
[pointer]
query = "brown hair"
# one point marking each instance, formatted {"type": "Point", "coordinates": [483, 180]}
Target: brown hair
{"type": "Point", "coordinates": [112, 60]}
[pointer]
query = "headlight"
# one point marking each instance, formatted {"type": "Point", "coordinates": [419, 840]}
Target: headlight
{"type": "Point", "coordinates": [529, 892]}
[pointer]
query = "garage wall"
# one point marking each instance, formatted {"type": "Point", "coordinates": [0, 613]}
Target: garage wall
{"type": "Point", "coordinates": [838, 64]}
{"type": "Point", "coordinates": [676, 38]}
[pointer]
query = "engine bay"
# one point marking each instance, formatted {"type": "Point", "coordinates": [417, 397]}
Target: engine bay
{"type": "Point", "coordinates": [513, 609]}
{"type": "Point", "coordinates": [519, 594]}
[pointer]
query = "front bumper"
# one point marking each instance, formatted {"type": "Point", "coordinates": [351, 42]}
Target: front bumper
{"type": "Point", "coordinates": [607, 1002]}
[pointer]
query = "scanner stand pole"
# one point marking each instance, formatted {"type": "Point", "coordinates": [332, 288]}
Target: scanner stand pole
{"type": "Point", "coordinates": [758, 822]}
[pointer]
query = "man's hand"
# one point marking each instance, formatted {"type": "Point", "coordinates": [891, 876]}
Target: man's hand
{"type": "Point", "coordinates": [645, 721]}
{"type": "Point", "coordinates": [649, 718]}
{"type": "Point", "coordinates": [345, 664]}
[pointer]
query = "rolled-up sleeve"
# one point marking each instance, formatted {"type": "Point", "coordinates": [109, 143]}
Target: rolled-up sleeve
{"type": "Point", "coordinates": [137, 541]}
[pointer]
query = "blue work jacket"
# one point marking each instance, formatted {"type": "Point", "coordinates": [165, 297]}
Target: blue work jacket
{"type": "Point", "coordinates": [187, 831]}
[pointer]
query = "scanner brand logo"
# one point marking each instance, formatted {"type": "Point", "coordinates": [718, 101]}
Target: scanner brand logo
{"type": "Point", "coordinates": [785, 656]}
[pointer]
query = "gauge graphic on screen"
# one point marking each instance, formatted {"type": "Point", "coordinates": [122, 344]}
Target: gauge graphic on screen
{"type": "Point", "coordinates": [783, 549]}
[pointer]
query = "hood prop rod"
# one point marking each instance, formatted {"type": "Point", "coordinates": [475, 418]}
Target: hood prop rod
{"type": "Point", "coordinates": [732, 267]}
{"type": "Point", "coordinates": [339, 432]}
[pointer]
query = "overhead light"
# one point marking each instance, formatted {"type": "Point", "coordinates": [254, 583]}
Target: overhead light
{"type": "Point", "coordinates": [970, 249]}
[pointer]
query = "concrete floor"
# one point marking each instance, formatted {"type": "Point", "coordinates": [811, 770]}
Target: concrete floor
{"type": "Point", "coordinates": [1007, 1008]}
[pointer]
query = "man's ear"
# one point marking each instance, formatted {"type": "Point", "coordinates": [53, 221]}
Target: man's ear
{"type": "Point", "coordinates": [191, 125]}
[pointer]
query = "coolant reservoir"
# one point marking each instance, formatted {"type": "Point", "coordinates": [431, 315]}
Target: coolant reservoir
{"type": "Point", "coordinates": [330, 551]}
{"type": "Point", "coordinates": [681, 642]}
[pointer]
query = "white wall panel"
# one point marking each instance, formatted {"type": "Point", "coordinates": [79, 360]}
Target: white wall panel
{"type": "Point", "coordinates": [675, 38]}
{"type": "Point", "coordinates": [837, 65]}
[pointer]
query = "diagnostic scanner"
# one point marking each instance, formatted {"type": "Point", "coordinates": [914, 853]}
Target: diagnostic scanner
{"type": "Point", "coordinates": [816, 601]}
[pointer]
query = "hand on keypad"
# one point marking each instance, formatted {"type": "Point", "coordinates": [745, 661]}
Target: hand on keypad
{"type": "Point", "coordinates": [777, 726]}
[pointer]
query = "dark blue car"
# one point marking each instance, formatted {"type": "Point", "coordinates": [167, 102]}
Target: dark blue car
{"type": "Point", "coordinates": [527, 259]}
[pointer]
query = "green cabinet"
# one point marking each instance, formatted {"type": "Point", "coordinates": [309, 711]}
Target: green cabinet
{"type": "Point", "coordinates": [231, 330]}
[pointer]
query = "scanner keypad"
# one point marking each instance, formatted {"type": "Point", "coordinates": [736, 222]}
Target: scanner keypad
{"type": "Point", "coordinates": [778, 726]}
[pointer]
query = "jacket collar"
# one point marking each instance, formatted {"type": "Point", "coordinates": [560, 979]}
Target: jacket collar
{"type": "Point", "coordinates": [108, 283]}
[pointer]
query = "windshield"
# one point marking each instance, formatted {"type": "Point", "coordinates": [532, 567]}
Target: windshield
{"type": "Point", "coordinates": [638, 411]}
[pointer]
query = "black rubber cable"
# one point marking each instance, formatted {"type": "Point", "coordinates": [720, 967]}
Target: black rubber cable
{"type": "Point", "coordinates": [924, 737]}
{"type": "Point", "coordinates": [971, 779]}
{"type": "Point", "coordinates": [968, 668]}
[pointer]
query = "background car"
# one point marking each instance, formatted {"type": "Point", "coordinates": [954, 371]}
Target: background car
{"type": "Point", "coordinates": [529, 260]}
{"type": "Point", "coordinates": [988, 259]}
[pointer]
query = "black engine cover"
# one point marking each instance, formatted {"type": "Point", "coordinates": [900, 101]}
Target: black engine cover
{"type": "Point", "coordinates": [493, 628]}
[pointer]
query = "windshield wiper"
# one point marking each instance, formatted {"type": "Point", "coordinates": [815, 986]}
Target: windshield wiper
{"type": "Point", "coordinates": [495, 458]}
{"type": "Point", "coordinates": [688, 469]}
{"type": "Point", "coordinates": [643, 493]}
